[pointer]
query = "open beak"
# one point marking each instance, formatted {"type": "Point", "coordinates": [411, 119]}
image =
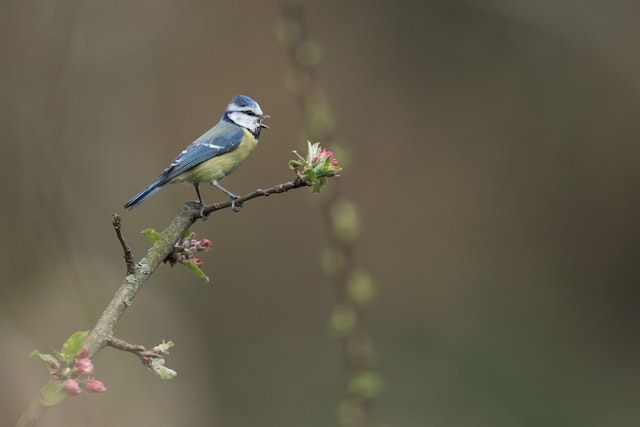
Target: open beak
{"type": "Point", "coordinates": [264, 116]}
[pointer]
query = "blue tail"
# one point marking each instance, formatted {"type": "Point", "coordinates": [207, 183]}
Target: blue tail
{"type": "Point", "coordinates": [144, 194]}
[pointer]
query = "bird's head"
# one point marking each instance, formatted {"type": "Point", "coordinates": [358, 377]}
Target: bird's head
{"type": "Point", "coordinates": [245, 112]}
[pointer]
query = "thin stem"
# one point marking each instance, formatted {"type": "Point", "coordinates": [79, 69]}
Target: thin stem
{"type": "Point", "coordinates": [128, 255]}
{"type": "Point", "coordinates": [125, 346]}
{"type": "Point", "coordinates": [281, 188]}
{"type": "Point", "coordinates": [146, 356]}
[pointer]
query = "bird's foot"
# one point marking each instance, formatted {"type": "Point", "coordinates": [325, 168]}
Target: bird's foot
{"type": "Point", "coordinates": [202, 215]}
{"type": "Point", "coordinates": [236, 207]}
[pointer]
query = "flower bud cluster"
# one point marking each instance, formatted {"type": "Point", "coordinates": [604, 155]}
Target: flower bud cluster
{"type": "Point", "coordinates": [189, 246]}
{"type": "Point", "coordinates": [79, 378]}
{"type": "Point", "coordinates": [324, 154]}
{"type": "Point", "coordinates": [318, 165]}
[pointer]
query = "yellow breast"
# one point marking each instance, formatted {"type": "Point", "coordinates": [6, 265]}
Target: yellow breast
{"type": "Point", "coordinates": [218, 167]}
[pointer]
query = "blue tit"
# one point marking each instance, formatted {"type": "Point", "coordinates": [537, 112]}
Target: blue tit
{"type": "Point", "coordinates": [216, 154]}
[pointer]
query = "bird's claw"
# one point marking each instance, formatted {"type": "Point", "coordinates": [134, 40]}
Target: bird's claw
{"type": "Point", "coordinates": [202, 215]}
{"type": "Point", "coordinates": [236, 207]}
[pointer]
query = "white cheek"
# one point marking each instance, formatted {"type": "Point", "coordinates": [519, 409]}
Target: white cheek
{"type": "Point", "coordinates": [244, 120]}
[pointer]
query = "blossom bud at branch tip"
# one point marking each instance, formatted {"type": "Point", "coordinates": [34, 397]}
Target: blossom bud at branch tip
{"type": "Point", "coordinates": [72, 387]}
{"type": "Point", "coordinates": [84, 353]}
{"type": "Point", "coordinates": [84, 366]}
{"type": "Point", "coordinates": [95, 386]}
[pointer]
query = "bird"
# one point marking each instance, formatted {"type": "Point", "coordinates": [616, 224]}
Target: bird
{"type": "Point", "coordinates": [215, 154]}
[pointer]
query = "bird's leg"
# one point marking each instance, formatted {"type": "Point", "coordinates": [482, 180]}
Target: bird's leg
{"type": "Point", "coordinates": [202, 205]}
{"type": "Point", "coordinates": [234, 207]}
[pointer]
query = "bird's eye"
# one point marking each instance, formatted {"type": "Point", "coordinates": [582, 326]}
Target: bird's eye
{"type": "Point", "coordinates": [250, 113]}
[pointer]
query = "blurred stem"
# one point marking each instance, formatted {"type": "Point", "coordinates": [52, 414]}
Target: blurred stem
{"type": "Point", "coordinates": [32, 415]}
{"type": "Point", "coordinates": [362, 385]}
{"type": "Point", "coordinates": [102, 333]}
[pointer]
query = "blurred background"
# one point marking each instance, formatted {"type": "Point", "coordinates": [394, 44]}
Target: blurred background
{"type": "Point", "coordinates": [494, 150]}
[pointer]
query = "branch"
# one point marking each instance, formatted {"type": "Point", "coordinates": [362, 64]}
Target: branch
{"type": "Point", "coordinates": [102, 333]}
{"type": "Point", "coordinates": [300, 181]}
{"type": "Point", "coordinates": [146, 356]}
{"type": "Point", "coordinates": [32, 415]}
{"type": "Point", "coordinates": [128, 255]}
{"type": "Point", "coordinates": [125, 346]}
{"type": "Point", "coordinates": [137, 274]}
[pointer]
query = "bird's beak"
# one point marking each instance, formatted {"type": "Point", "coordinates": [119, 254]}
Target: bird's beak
{"type": "Point", "coordinates": [262, 125]}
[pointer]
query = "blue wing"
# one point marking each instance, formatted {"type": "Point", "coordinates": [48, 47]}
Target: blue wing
{"type": "Point", "coordinates": [202, 149]}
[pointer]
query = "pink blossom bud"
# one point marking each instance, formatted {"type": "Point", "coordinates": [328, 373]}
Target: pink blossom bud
{"type": "Point", "coordinates": [334, 162]}
{"type": "Point", "coordinates": [84, 353]}
{"type": "Point", "coordinates": [328, 153]}
{"type": "Point", "coordinates": [72, 387]}
{"type": "Point", "coordinates": [206, 243]}
{"type": "Point", "coordinates": [95, 386]}
{"type": "Point", "coordinates": [315, 159]}
{"type": "Point", "coordinates": [198, 261]}
{"type": "Point", "coordinates": [84, 366]}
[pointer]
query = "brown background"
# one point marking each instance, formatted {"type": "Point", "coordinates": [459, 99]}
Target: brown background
{"type": "Point", "coordinates": [494, 163]}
